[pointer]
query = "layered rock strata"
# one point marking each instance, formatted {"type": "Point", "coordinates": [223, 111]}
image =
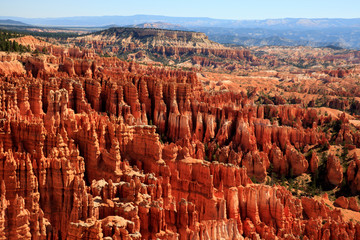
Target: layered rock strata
{"type": "Point", "coordinates": [97, 147]}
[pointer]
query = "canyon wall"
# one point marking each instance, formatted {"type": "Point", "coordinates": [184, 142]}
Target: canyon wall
{"type": "Point", "coordinates": [96, 147]}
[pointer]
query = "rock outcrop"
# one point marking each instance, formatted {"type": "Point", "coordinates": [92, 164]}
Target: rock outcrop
{"type": "Point", "coordinates": [334, 170]}
{"type": "Point", "coordinates": [95, 148]}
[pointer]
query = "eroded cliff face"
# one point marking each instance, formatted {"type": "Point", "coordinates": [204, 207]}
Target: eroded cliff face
{"type": "Point", "coordinates": [160, 46]}
{"type": "Point", "coordinates": [96, 147]}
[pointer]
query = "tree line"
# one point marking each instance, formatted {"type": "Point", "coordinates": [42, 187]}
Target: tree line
{"type": "Point", "coordinates": [11, 46]}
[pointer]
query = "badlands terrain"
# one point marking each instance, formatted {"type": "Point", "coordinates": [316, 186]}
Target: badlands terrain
{"type": "Point", "coordinates": [133, 133]}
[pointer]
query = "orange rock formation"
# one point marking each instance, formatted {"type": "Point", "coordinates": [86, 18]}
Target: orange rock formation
{"type": "Point", "coordinates": [96, 147]}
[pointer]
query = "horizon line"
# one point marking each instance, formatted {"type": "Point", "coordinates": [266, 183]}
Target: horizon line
{"type": "Point", "coordinates": [155, 15]}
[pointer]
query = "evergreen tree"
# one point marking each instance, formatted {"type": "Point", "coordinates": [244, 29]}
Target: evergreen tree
{"type": "Point", "coordinates": [16, 47]}
{"type": "Point", "coordinates": [7, 46]}
{"type": "Point", "coordinates": [11, 46]}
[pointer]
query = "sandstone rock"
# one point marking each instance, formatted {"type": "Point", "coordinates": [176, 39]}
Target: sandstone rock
{"type": "Point", "coordinates": [314, 162]}
{"type": "Point", "coordinates": [334, 170]}
{"type": "Point", "coordinates": [94, 148]}
{"type": "Point", "coordinates": [297, 161]}
{"type": "Point", "coordinates": [353, 175]}
{"type": "Point", "coordinates": [342, 202]}
{"type": "Point", "coordinates": [353, 204]}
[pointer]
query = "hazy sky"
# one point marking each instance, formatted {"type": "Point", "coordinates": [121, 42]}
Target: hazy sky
{"type": "Point", "coordinates": [224, 9]}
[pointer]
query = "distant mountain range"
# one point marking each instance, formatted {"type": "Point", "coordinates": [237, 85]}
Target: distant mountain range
{"type": "Point", "coordinates": [340, 37]}
{"type": "Point", "coordinates": [288, 31]}
{"type": "Point", "coordinates": [160, 25]}
{"type": "Point", "coordinates": [12, 22]}
{"type": "Point", "coordinates": [97, 21]}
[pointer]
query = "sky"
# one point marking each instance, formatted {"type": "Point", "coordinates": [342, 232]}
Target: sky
{"type": "Point", "coordinates": [224, 9]}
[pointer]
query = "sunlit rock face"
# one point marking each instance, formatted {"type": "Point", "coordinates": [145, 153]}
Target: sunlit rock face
{"type": "Point", "coordinates": [95, 147]}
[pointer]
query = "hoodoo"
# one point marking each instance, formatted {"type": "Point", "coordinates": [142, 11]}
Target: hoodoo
{"type": "Point", "coordinates": [254, 146]}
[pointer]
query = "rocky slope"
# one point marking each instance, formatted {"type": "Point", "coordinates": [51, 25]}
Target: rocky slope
{"type": "Point", "coordinates": [95, 147]}
{"type": "Point", "coordinates": [165, 46]}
